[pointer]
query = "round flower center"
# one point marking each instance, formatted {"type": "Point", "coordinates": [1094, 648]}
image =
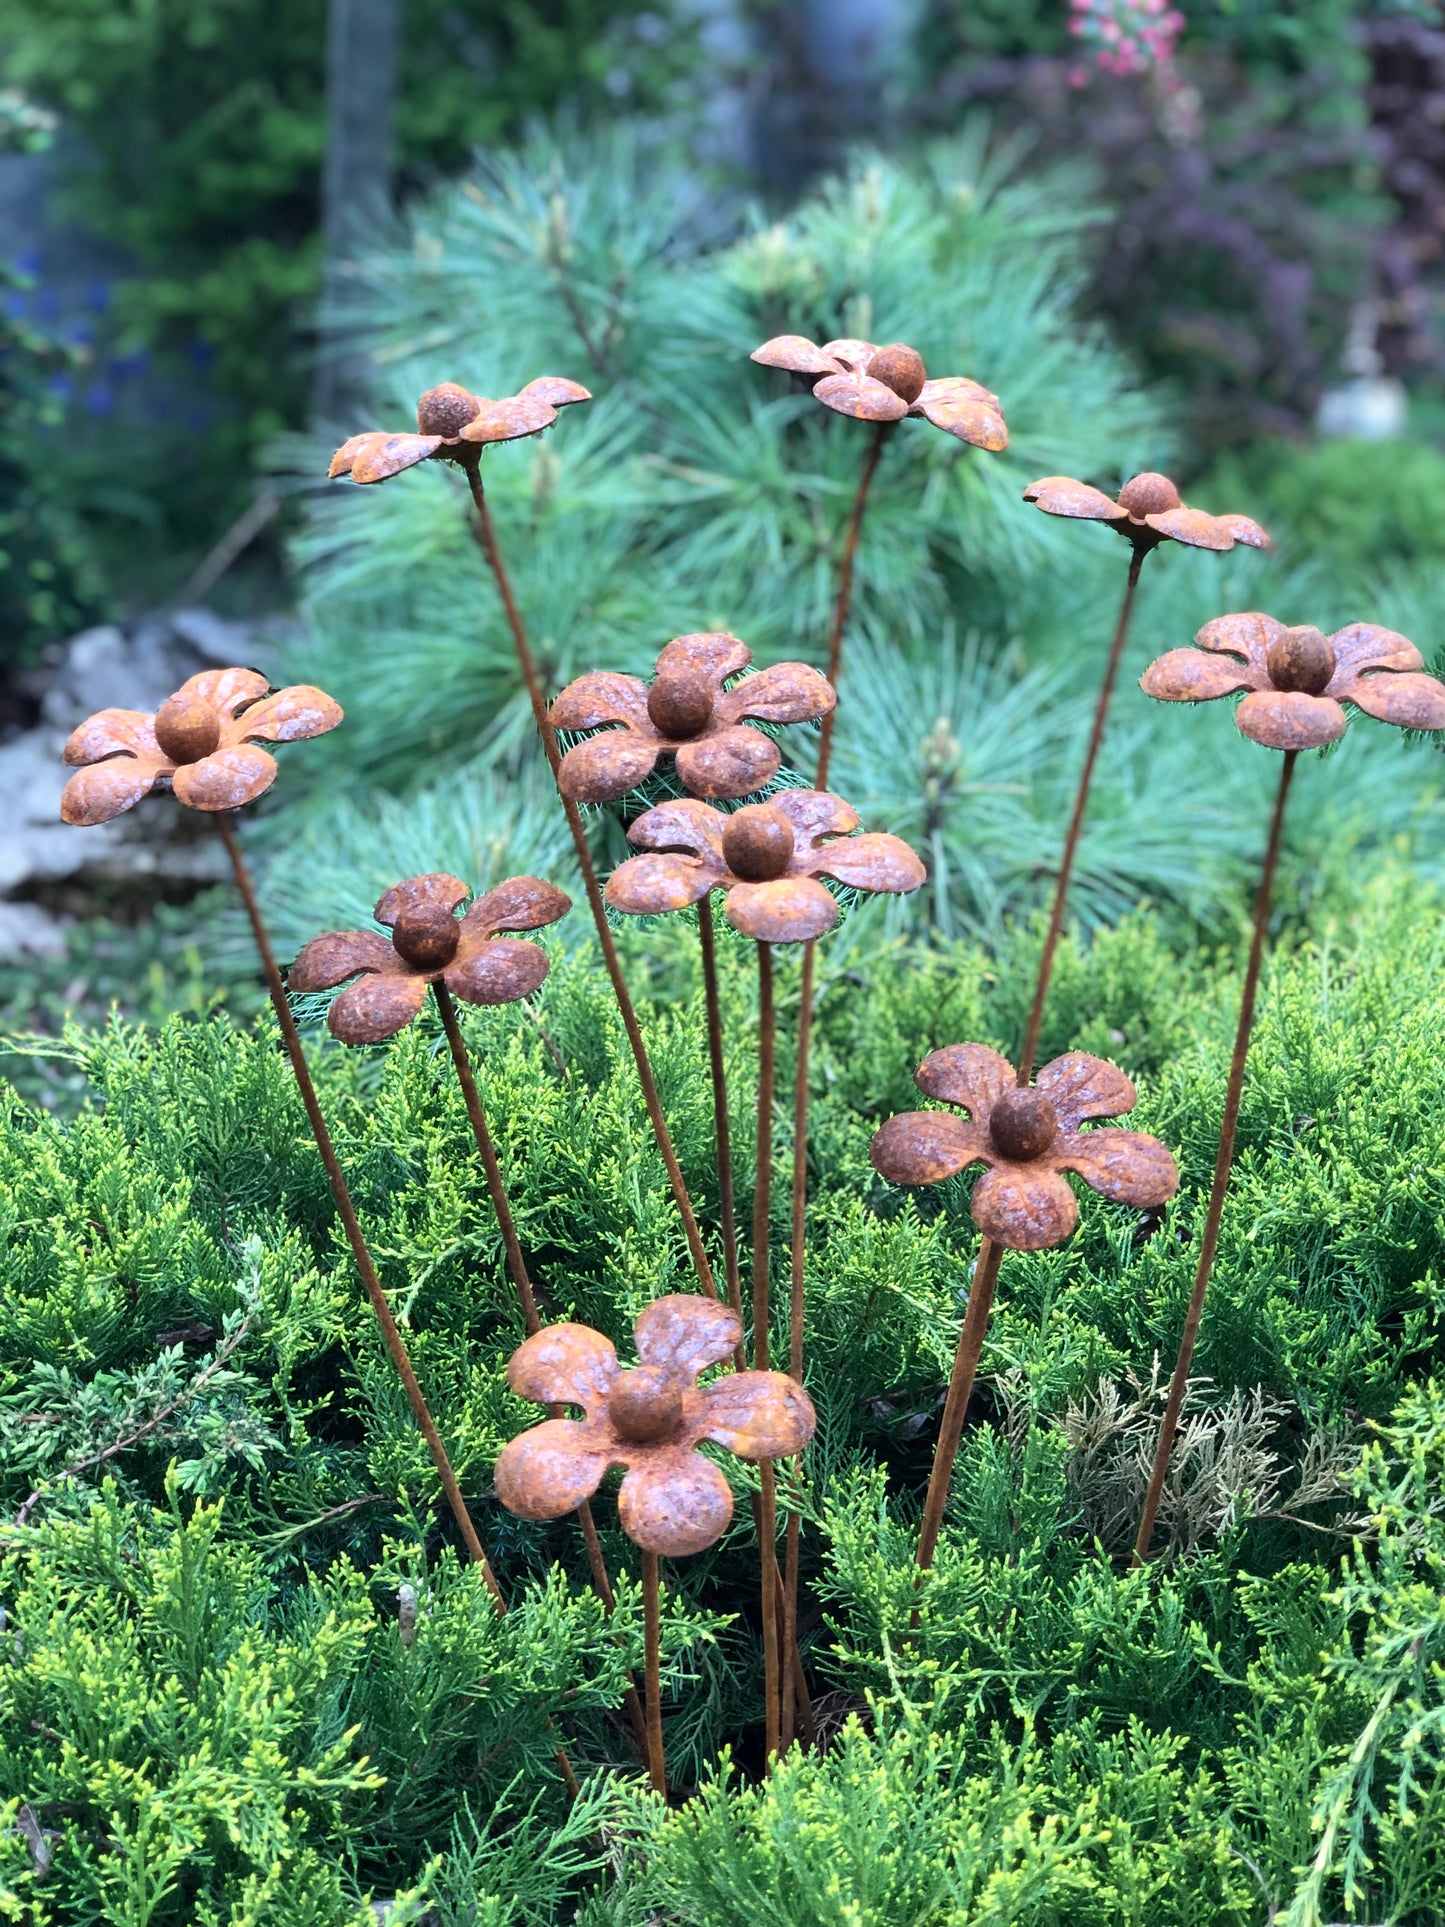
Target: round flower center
{"type": "Point", "coordinates": [645, 1404]}
{"type": "Point", "coordinates": [1301, 659]}
{"type": "Point", "coordinates": [1022, 1125]}
{"type": "Point", "coordinates": [680, 704]}
{"type": "Point", "coordinates": [900, 368]}
{"type": "Point", "coordinates": [758, 843]}
{"type": "Point", "coordinates": [187, 728]}
{"type": "Point", "coordinates": [446, 410]}
{"type": "Point", "coordinates": [1148, 494]}
{"type": "Point", "coordinates": [428, 938]}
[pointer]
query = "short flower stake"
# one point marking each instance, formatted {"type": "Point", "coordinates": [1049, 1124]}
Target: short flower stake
{"type": "Point", "coordinates": [1028, 1137]}
{"type": "Point", "coordinates": [204, 744]}
{"type": "Point", "coordinates": [767, 860]}
{"type": "Point", "coordinates": [1298, 680]}
{"type": "Point", "coordinates": [650, 1419]}
{"type": "Point", "coordinates": [1147, 513]}
{"type": "Point", "coordinates": [694, 712]}
{"type": "Point", "coordinates": [456, 426]}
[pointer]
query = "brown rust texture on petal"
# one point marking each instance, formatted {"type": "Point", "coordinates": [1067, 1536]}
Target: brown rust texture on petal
{"type": "Point", "coordinates": [966, 410]}
{"type": "Point", "coordinates": [1193, 528]}
{"type": "Point", "coordinates": [114, 732]}
{"type": "Point", "coordinates": [548, 1471]}
{"type": "Point", "coordinates": [790, 909]}
{"type": "Point", "coordinates": [757, 1415]}
{"type": "Point", "coordinates": [684, 1334]}
{"type": "Point", "coordinates": [509, 420]}
{"type": "Point", "coordinates": [972, 1076]}
{"type": "Point", "coordinates": [1365, 645]}
{"type": "Point", "coordinates": [860, 397]}
{"type": "Point", "coordinates": [786, 692]}
{"type": "Point", "coordinates": [377, 1007]}
{"type": "Point", "coordinates": [413, 895]}
{"type": "Point", "coordinates": [797, 355]}
{"type": "Point", "coordinates": [652, 885]}
{"type": "Point", "coordinates": [852, 352]}
{"type": "Point", "coordinates": [1410, 701]}
{"type": "Point", "coordinates": [565, 1364]}
{"type": "Point", "coordinates": [674, 1502]}
{"type": "Point", "coordinates": [518, 903]}
{"type": "Point", "coordinates": [925, 1147]}
{"type": "Point", "coordinates": [728, 762]}
{"type": "Point", "coordinates": [555, 389]}
{"type": "Point", "coordinates": [288, 716]}
{"type": "Point", "coordinates": [712, 653]}
{"type": "Point", "coordinates": [105, 790]}
{"type": "Point", "coordinates": [874, 861]}
{"type": "Point", "coordinates": [1062, 495]}
{"type": "Point", "coordinates": [607, 766]}
{"type": "Point", "coordinates": [1248, 634]}
{"type": "Point", "coordinates": [1195, 676]}
{"type": "Point", "coordinates": [1083, 1089]}
{"type": "Point", "coordinates": [335, 955]}
{"type": "Point", "coordinates": [225, 780]}
{"type": "Point", "coordinates": [382, 456]}
{"type": "Point", "coordinates": [495, 970]}
{"type": "Point", "coordinates": [601, 696]}
{"type": "Point", "coordinates": [1025, 1207]}
{"type": "Point", "coordinates": [1288, 719]}
{"type": "Point", "coordinates": [1128, 1166]}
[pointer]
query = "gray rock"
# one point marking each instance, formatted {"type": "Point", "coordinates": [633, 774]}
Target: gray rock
{"type": "Point", "coordinates": [30, 930]}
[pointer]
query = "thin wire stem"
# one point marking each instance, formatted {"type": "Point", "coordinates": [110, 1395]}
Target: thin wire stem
{"type": "Point", "coordinates": [1076, 824]}
{"type": "Point", "coordinates": [517, 1265]}
{"type": "Point", "coordinates": [844, 600]}
{"type": "Point", "coordinates": [762, 1206]}
{"type": "Point", "coordinates": [488, 539]}
{"type": "Point", "coordinates": [727, 1204]}
{"type": "Point", "coordinates": [652, 1641]}
{"type": "Point", "coordinates": [1224, 1159]}
{"type": "Point", "coordinates": [960, 1390]}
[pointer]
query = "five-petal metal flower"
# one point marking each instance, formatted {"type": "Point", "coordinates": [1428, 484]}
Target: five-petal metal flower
{"type": "Point", "coordinates": [430, 944]}
{"type": "Point", "coordinates": [1028, 1138]}
{"type": "Point", "coordinates": [1147, 513]}
{"type": "Point", "coordinates": [1298, 678]}
{"type": "Point", "coordinates": [454, 425]}
{"type": "Point", "coordinates": [650, 1419]}
{"type": "Point", "coordinates": [886, 384]}
{"type": "Point", "coordinates": [687, 713]}
{"type": "Point", "coordinates": [202, 743]}
{"type": "Point", "coordinates": [767, 857]}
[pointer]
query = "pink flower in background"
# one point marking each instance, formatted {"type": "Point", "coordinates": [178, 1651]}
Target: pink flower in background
{"type": "Point", "coordinates": [1126, 36]}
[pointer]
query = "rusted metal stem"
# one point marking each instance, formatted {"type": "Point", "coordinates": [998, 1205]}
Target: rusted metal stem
{"type": "Point", "coordinates": [488, 539]}
{"type": "Point", "coordinates": [727, 1204]}
{"type": "Point", "coordinates": [517, 1265]}
{"type": "Point", "coordinates": [361, 1255]}
{"type": "Point", "coordinates": [960, 1390]}
{"type": "Point", "coordinates": [843, 602]}
{"type": "Point", "coordinates": [652, 1641]}
{"type": "Point", "coordinates": [762, 1207]}
{"type": "Point", "coordinates": [1222, 1164]}
{"type": "Point", "coordinates": [1076, 824]}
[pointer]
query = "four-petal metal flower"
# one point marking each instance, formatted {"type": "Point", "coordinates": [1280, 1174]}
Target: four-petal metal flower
{"type": "Point", "coordinates": [203, 743]}
{"type": "Point", "coordinates": [430, 944]}
{"type": "Point", "coordinates": [650, 1418]}
{"type": "Point", "coordinates": [886, 384]}
{"type": "Point", "coordinates": [454, 425]}
{"type": "Point", "coordinates": [1298, 678]}
{"type": "Point", "coordinates": [767, 858]}
{"type": "Point", "coordinates": [1028, 1138]}
{"type": "Point", "coordinates": [1147, 513]}
{"type": "Point", "coordinates": [688, 713]}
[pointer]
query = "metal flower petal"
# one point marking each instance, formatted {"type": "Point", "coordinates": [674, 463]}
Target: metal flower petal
{"type": "Point", "coordinates": [965, 409]}
{"type": "Point", "coordinates": [226, 779]}
{"type": "Point", "coordinates": [789, 909]}
{"type": "Point", "coordinates": [509, 420]}
{"type": "Point", "coordinates": [861, 397]}
{"type": "Point", "coordinates": [1083, 1088]}
{"type": "Point", "coordinates": [1128, 1166]}
{"type": "Point", "coordinates": [106, 790]}
{"type": "Point", "coordinates": [713, 654]}
{"type": "Point", "coordinates": [601, 696]}
{"type": "Point", "coordinates": [651, 885]}
{"type": "Point", "coordinates": [226, 689]}
{"type": "Point", "coordinates": [607, 766]}
{"type": "Point", "coordinates": [728, 763]}
{"type": "Point", "coordinates": [970, 1075]}
{"type": "Point", "coordinates": [414, 896]}
{"type": "Point", "coordinates": [787, 692]}
{"type": "Point", "coordinates": [1062, 495]}
{"type": "Point", "coordinates": [289, 716]}
{"type": "Point", "coordinates": [520, 903]}
{"type": "Point", "coordinates": [925, 1147]}
{"type": "Point", "coordinates": [674, 1503]}
{"type": "Point", "coordinates": [1027, 1207]}
{"type": "Point", "coordinates": [1365, 645]}
{"type": "Point", "coordinates": [381, 456]}
{"type": "Point", "coordinates": [1193, 528]}
{"type": "Point", "coordinates": [757, 1415]}
{"type": "Point", "coordinates": [564, 1365]}
{"type": "Point", "coordinates": [549, 1470]}
{"type": "Point", "coordinates": [557, 390]}
{"type": "Point", "coordinates": [682, 824]}
{"type": "Point", "coordinates": [1194, 676]}
{"type": "Point", "coordinates": [796, 354]}
{"type": "Point", "coordinates": [1408, 700]}
{"type": "Point", "coordinates": [114, 732]}
{"type": "Point", "coordinates": [376, 1007]}
{"type": "Point", "coordinates": [1289, 719]}
{"type": "Point", "coordinates": [683, 1334]}
{"type": "Point", "coordinates": [874, 861]}
{"type": "Point", "coordinates": [1248, 634]}
{"type": "Point", "coordinates": [334, 956]}
{"type": "Point", "coordinates": [496, 970]}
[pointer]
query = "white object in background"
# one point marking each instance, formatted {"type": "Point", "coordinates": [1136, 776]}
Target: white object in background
{"type": "Point", "coordinates": [1370, 406]}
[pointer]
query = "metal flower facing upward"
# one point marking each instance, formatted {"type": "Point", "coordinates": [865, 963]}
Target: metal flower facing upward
{"type": "Point", "coordinates": [454, 425]}
{"type": "Point", "coordinates": [1147, 513]}
{"type": "Point", "coordinates": [1298, 679]}
{"type": "Point", "coordinates": [886, 384]}
{"type": "Point", "coordinates": [767, 857]}
{"type": "Point", "coordinates": [687, 713]}
{"type": "Point", "coordinates": [430, 944]}
{"type": "Point", "coordinates": [650, 1419]}
{"type": "Point", "coordinates": [1028, 1138]}
{"type": "Point", "coordinates": [203, 743]}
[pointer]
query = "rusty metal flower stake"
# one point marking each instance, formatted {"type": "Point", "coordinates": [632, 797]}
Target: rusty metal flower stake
{"type": "Point", "coordinates": [689, 713]}
{"type": "Point", "coordinates": [470, 958]}
{"type": "Point", "coordinates": [1298, 680]}
{"type": "Point", "coordinates": [649, 1418]}
{"type": "Point", "coordinates": [1027, 1137]}
{"type": "Point", "coordinates": [1147, 513]}
{"type": "Point", "coordinates": [204, 744]}
{"type": "Point", "coordinates": [767, 859]}
{"type": "Point", "coordinates": [455, 426]}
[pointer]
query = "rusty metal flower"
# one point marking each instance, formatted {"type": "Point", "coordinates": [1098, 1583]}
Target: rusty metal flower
{"type": "Point", "coordinates": [688, 713]}
{"type": "Point", "coordinates": [202, 743]}
{"type": "Point", "coordinates": [1298, 679]}
{"type": "Point", "coordinates": [1147, 513]}
{"type": "Point", "coordinates": [1028, 1138]}
{"type": "Point", "coordinates": [454, 425]}
{"type": "Point", "coordinates": [649, 1418]}
{"type": "Point", "coordinates": [767, 858]}
{"type": "Point", "coordinates": [430, 944]}
{"type": "Point", "coordinates": [885, 384]}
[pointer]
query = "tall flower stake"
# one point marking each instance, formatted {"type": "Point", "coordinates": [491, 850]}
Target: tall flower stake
{"type": "Point", "coordinates": [1147, 513]}
{"type": "Point", "coordinates": [1297, 681]}
{"type": "Point", "coordinates": [1027, 1137]}
{"type": "Point", "coordinates": [766, 859]}
{"type": "Point", "coordinates": [456, 426]}
{"type": "Point", "coordinates": [650, 1419]}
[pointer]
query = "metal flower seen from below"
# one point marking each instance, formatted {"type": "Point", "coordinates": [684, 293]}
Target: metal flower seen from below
{"type": "Point", "coordinates": [430, 944]}
{"type": "Point", "coordinates": [454, 425]}
{"type": "Point", "coordinates": [766, 858]}
{"type": "Point", "coordinates": [203, 743]}
{"type": "Point", "coordinates": [1028, 1138]}
{"type": "Point", "coordinates": [1147, 513]}
{"type": "Point", "coordinates": [886, 384]}
{"type": "Point", "coordinates": [1298, 679]}
{"type": "Point", "coordinates": [650, 1418]}
{"type": "Point", "coordinates": [687, 713]}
